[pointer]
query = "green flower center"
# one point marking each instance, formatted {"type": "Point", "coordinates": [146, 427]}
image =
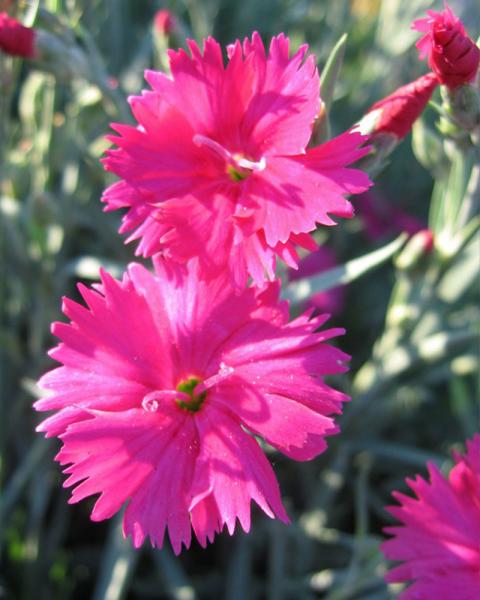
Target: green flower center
{"type": "Point", "coordinates": [237, 175]}
{"type": "Point", "coordinates": [187, 386]}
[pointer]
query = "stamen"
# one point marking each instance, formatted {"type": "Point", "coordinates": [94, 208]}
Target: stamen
{"type": "Point", "coordinates": [151, 401]}
{"type": "Point", "coordinates": [237, 166]}
{"type": "Point", "coordinates": [223, 372]}
{"type": "Point", "coordinates": [203, 140]}
{"type": "Point", "coordinates": [251, 165]}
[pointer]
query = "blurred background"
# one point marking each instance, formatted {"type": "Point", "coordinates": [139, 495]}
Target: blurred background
{"type": "Point", "coordinates": [410, 329]}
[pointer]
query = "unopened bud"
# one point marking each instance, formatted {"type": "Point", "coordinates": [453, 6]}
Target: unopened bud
{"type": "Point", "coordinates": [452, 55]}
{"type": "Point", "coordinates": [15, 38]}
{"type": "Point", "coordinates": [418, 247]}
{"type": "Point", "coordinates": [164, 22]}
{"type": "Point", "coordinates": [396, 113]}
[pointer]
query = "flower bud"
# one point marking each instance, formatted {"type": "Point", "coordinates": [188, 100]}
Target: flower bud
{"type": "Point", "coordinates": [418, 247]}
{"type": "Point", "coordinates": [452, 55]}
{"type": "Point", "coordinates": [164, 22]}
{"type": "Point", "coordinates": [15, 38]}
{"type": "Point", "coordinates": [396, 113]}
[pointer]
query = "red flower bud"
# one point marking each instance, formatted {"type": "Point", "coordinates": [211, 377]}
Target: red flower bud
{"type": "Point", "coordinates": [164, 22]}
{"type": "Point", "coordinates": [426, 240]}
{"type": "Point", "coordinates": [15, 38]}
{"type": "Point", "coordinates": [397, 112]}
{"type": "Point", "coordinates": [452, 55]}
{"type": "Point", "coordinates": [416, 249]}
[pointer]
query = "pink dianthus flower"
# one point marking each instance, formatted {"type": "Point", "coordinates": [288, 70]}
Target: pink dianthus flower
{"type": "Point", "coordinates": [217, 167]}
{"type": "Point", "coordinates": [438, 542]}
{"type": "Point", "coordinates": [165, 382]}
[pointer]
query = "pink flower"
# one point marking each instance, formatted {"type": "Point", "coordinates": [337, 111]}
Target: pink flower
{"type": "Point", "coordinates": [323, 259]}
{"type": "Point", "coordinates": [15, 38]}
{"type": "Point", "coordinates": [452, 55]}
{"type": "Point", "coordinates": [165, 381]}
{"type": "Point", "coordinates": [217, 167]}
{"type": "Point", "coordinates": [438, 542]}
{"type": "Point", "coordinates": [164, 22]}
{"type": "Point", "coordinates": [397, 112]}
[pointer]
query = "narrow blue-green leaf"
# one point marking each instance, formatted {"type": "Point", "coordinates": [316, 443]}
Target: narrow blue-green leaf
{"type": "Point", "coordinates": [462, 274]}
{"type": "Point", "coordinates": [448, 199]}
{"type": "Point", "coordinates": [22, 474]}
{"type": "Point", "coordinates": [239, 572]}
{"type": "Point", "coordinates": [31, 13]}
{"type": "Point", "coordinates": [117, 566]}
{"type": "Point", "coordinates": [457, 185]}
{"type": "Point", "coordinates": [435, 216]}
{"type": "Point", "coordinates": [277, 561]}
{"type": "Point", "coordinates": [88, 267]}
{"type": "Point", "coordinates": [328, 80]}
{"type": "Point", "coordinates": [302, 289]}
{"type": "Point", "coordinates": [331, 71]}
{"type": "Point", "coordinates": [408, 455]}
{"type": "Point", "coordinates": [178, 585]}
{"type": "Point", "coordinates": [470, 208]}
{"type": "Point", "coordinates": [428, 148]}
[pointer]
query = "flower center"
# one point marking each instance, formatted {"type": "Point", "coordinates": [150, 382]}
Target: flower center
{"type": "Point", "coordinates": [236, 165]}
{"type": "Point", "coordinates": [190, 393]}
{"type": "Point", "coordinates": [187, 386]}
{"type": "Point", "coordinates": [237, 174]}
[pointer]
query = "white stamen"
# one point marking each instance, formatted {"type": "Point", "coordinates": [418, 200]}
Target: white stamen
{"type": "Point", "coordinates": [236, 161]}
{"type": "Point", "coordinates": [151, 402]}
{"type": "Point", "coordinates": [252, 166]}
{"type": "Point", "coordinates": [224, 371]}
{"type": "Point", "coordinates": [203, 140]}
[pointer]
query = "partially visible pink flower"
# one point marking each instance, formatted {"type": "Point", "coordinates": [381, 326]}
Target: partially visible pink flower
{"type": "Point", "coordinates": [165, 382]}
{"type": "Point", "coordinates": [452, 55]}
{"type": "Point", "coordinates": [397, 113]}
{"type": "Point", "coordinates": [218, 168]}
{"type": "Point", "coordinates": [438, 542]}
{"type": "Point", "coordinates": [164, 22]}
{"type": "Point", "coordinates": [323, 259]}
{"type": "Point", "coordinates": [15, 38]}
{"type": "Point", "coordinates": [381, 218]}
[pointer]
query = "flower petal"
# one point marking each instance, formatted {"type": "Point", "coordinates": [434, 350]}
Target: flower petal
{"type": "Point", "coordinates": [236, 468]}
{"type": "Point", "coordinates": [293, 194]}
